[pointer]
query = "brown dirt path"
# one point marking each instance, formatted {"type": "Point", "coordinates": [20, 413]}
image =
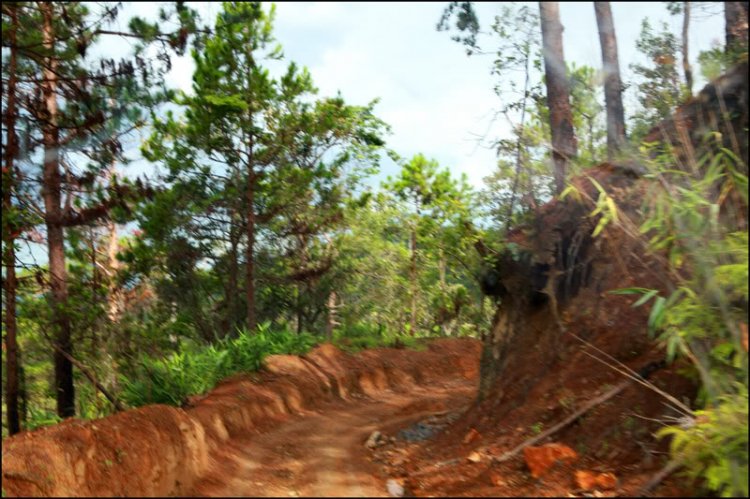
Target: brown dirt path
{"type": "Point", "coordinates": [322, 453]}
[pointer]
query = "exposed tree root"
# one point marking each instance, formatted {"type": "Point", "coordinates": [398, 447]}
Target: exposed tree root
{"type": "Point", "coordinates": [570, 419]}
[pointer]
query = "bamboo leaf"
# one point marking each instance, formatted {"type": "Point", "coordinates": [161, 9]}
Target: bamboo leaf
{"type": "Point", "coordinates": [645, 298]}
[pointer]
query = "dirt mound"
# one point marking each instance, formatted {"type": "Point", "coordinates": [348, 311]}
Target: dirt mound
{"type": "Point", "coordinates": [159, 450]}
{"type": "Point", "coordinates": [721, 106]}
{"type": "Point", "coordinates": [151, 451]}
{"type": "Point", "coordinates": [555, 328]}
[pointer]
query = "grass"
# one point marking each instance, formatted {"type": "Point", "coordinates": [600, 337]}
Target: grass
{"type": "Point", "coordinates": [195, 370]}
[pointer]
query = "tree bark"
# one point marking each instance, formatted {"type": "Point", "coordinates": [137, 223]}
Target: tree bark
{"type": "Point", "coordinates": [64, 388]}
{"type": "Point", "coordinates": [332, 309]}
{"type": "Point", "coordinates": [231, 290]}
{"type": "Point", "coordinates": [92, 378]}
{"type": "Point", "coordinates": [251, 177]}
{"type": "Point", "coordinates": [11, 343]}
{"type": "Point", "coordinates": [735, 14]}
{"type": "Point", "coordinates": [22, 391]}
{"type": "Point", "coordinates": [414, 280]}
{"type": "Point", "coordinates": [558, 94]}
{"type": "Point", "coordinates": [685, 60]}
{"type": "Point", "coordinates": [250, 247]}
{"type": "Point", "coordinates": [612, 83]}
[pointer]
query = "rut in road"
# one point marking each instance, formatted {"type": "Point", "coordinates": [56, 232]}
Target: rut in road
{"type": "Point", "coordinates": [322, 453]}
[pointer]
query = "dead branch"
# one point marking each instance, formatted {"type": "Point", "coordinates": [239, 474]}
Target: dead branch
{"type": "Point", "coordinates": [85, 371]}
{"type": "Point", "coordinates": [567, 421]}
{"type": "Point", "coordinates": [644, 373]}
{"type": "Point", "coordinates": [670, 468]}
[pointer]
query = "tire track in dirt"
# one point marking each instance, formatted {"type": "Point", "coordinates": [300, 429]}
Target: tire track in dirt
{"type": "Point", "coordinates": [322, 453]}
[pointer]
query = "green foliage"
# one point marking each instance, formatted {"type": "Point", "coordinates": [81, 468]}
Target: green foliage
{"type": "Point", "coordinates": [715, 445]}
{"type": "Point", "coordinates": [704, 317]}
{"type": "Point", "coordinates": [39, 418]}
{"type": "Point", "coordinates": [604, 205]}
{"type": "Point", "coordinates": [196, 370]}
{"type": "Point", "coordinates": [658, 89]}
{"type": "Point", "coordinates": [246, 132]}
{"type": "Point", "coordinates": [363, 336]}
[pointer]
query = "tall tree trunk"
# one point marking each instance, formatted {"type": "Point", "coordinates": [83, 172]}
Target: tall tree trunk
{"type": "Point", "coordinates": [231, 290]}
{"type": "Point", "coordinates": [11, 343]}
{"type": "Point", "coordinates": [250, 256]}
{"type": "Point", "coordinates": [558, 95]}
{"type": "Point", "coordinates": [114, 295]}
{"type": "Point", "coordinates": [64, 388]}
{"type": "Point", "coordinates": [612, 83]}
{"type": "Point", "coordinates": [250, 248]}
{"type": "Point", "coordinates": [685, 60]}
{"type": "Point", "coordinates": [22, 391]}
{"type": "Point", "coordinates": [414, 279]}
{"type": "Point", "coordinates": [735, 14]}
{"type": "Point", "coordinates": [332, 309]}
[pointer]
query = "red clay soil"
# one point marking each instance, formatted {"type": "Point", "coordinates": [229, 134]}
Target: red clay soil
{"type": "Point", "coordinates": [550, 379]}
{"type": "Point", "coordinates": [615, 437]}
{"type": "Point", "coordinates": [214, 446]}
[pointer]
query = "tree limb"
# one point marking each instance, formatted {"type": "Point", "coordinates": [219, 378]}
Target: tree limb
{"type": "Point", "coordinates": [85, 371]}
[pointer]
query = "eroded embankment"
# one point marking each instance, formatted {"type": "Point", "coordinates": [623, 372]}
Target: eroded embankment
{"type": "Point", "coordinates": [159, 450]}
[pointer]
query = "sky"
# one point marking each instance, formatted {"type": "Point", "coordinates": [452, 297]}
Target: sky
{"type": "Point", "coordinates": [436, 99]}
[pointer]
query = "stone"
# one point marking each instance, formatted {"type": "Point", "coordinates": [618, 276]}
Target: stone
{"type": "Point", "coordinates": [471, 436]}
{"type": "Point", "coordinates": [589, 480]}
{"type": "Point", "coordinates": [394, 488]}
{"type": "Point", "coordinates": [474, 457]}
{"type": "Point", "coordinates": [497, 480]}
{"type": "Point", "coordinates": [585, 479]}
{"type": "Point", "coordinates": [540, 459]}
{"type": "Point", "coordinates": [373, 440]}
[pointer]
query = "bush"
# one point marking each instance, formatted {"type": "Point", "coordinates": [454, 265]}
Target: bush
{"type": "Point", "coordinates": [363, 336]}
{"type": "Point", "coordinates": [705, 318]}
{"type": "Point", "coordinates": [192, 372]}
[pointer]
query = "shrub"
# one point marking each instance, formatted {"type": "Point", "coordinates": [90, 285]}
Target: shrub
{"type": "Point", "coordinates": [196, 370]}
{"type": "Point", "coordinates": [705, 318]}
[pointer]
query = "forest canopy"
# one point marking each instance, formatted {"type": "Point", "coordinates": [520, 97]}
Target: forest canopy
{"type": "Point", "coordinates": [267, 223]}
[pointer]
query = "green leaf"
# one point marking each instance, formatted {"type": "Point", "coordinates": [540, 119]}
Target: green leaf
{"type": "Point", "coordinates": [571, 189]}
{"type": "Point", "coordinates": [644, 298]}
{"type": "Point", "coordinates": [630, 291]}
{"type": "Point", "coordinates": [656, 314]}
{"type": "Point", "coordinates": [600, 226]}
{"type": "Point", "coordinates": [612, 208]}
{"type": "Point", "coordinates": [596, 184]}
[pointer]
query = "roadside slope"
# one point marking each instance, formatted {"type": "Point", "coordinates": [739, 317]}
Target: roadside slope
{"type": "Point", "coordinates": [158, 450]}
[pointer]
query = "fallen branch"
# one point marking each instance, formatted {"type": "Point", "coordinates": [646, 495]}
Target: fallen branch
{"type": "Point", "coordinates": [577, 414]}
{"type": "Point", "coordinates": [448, 462]}
{"type": "Point", "coordinates": [85, 371]}
{"type": "Point", "coordinates": [670, 468]}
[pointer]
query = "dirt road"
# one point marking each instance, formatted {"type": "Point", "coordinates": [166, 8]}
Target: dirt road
{"type": "Point", "coordinates": [322, 453]}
